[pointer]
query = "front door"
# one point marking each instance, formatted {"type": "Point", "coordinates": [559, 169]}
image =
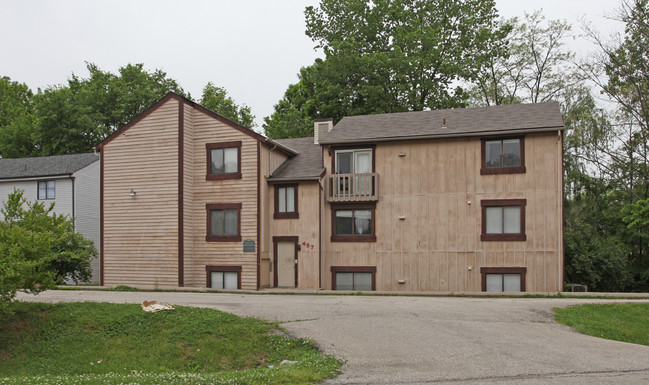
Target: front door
{"type": "Point", "coordinates": [286, 260]}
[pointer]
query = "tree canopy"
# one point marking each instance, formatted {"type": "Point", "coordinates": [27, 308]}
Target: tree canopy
{"type": "Point", "coordinates": [217, 99]}
{"type": "Point", "coordinates": [75, 117]}
{"type": "Point", "coordinates": [388, 56]}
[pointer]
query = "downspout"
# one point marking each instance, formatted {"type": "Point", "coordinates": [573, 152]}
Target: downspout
{"type": "Point", "coordinates": [74, 217]}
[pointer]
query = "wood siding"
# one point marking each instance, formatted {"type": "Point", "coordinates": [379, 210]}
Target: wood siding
{"type": "Point", "coordinates": [306, 228]}
{"type": "Point", "coordinates": [270, 160]}
{"type": "Point", "coordinates": [437, 188]}
{"type": "Point", "coordinates": [206, 129]}
{"type": "Point", "coordinates": [141, 231]}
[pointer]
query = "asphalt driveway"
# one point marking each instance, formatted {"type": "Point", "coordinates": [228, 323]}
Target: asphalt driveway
{"type": "Point", "coordinates": [424, 340]}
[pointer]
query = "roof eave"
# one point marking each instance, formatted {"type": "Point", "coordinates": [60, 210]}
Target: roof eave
{"type": "Point", "coordinates": [445, 135]}
{"type": "Point", "coordinates": [287, 150]}
{"type": "Point", "coordinates": [272, 180]}
{"type": "Point", "coordinates": [34, 177]}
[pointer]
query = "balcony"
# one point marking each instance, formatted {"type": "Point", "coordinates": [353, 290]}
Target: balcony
{"type": "Point", "coordinates": [352, 187]}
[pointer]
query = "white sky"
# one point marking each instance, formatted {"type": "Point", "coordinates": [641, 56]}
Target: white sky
{"type": "Point", "coordinates": [253, 48]}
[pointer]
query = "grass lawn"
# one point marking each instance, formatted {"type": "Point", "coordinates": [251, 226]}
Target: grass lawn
{"type": "Point", "coordinates": [102, 343]}
{"type": "Point", "coordinates": [628, 322]}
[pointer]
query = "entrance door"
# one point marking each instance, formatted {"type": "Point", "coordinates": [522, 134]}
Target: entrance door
{"type": "Point", "coordinates": [286, 260]}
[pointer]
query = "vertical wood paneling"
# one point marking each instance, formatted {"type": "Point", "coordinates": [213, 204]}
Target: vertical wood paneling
{"type": "Point", "coordinates": [207, 129]}
{"type": "Point", "coordinates": [306, 228]}
{"type": "Point", "coordinates": [432, 187]}
{"type": "Point", "coordinates": [140, 232]}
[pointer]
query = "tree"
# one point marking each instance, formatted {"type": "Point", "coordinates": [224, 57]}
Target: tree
{"type": "Point", "coordinates": [217, 99]}
{"type": "Point", "coordinates": [389, 56]}
{"type": "Point", "coordinates": [16, 119]}
{"type": "Point", "coordinates": [294, 114]}
{"type": "Point", "coordinates": [619, 152]}
{"type": "Point", "coordinates": [38, 248]}
{"type": "Point", "coordinates": [74, 118]}
{"type": "Point", "coordinates": [534, 67]}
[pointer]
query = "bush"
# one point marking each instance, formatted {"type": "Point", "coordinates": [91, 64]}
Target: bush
{"type": "Point", "coordinates": [38, 248]}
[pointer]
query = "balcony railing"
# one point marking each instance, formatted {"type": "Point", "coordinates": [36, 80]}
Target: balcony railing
{"type": "Point", "coordinates": [353, 187]}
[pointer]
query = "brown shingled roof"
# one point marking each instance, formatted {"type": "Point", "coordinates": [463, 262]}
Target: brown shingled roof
{"type": "Point", "coordinates": [458, 122]}
{"type": "Point", "coordinates": [306, 165]}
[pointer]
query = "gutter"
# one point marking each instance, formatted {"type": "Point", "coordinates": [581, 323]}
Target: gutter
{"type": "Point", "coordinates": [445, 135]}
{"type": "Point", "coordinates": [301, 179]}
{"type": "Point", "coordinates": [38, 177]}
{"type": "Point", "coordinates": [283, 148]}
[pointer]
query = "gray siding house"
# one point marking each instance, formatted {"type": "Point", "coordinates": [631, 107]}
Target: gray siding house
{"type": "Point", "coordinates": [71, 182]}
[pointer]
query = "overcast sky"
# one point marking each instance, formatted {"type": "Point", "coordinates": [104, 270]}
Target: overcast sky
{"type": "Point", "coordinates": [253, 48]}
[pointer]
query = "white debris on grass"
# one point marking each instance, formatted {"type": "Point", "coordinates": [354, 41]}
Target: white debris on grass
{"type": "Point", "coordinates": [153, 306]}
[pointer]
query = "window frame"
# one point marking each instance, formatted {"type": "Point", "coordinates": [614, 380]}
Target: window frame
{"type": "Point", "coordinates": [353, 238]}
{"type": "Point", "coordinates": [353, 269]}
{"type": "Point", "coordinates": [222, 145]}
{"type": "Point", "coordinates": [522, 271]}
{"type": "Point", "coordinates": [209, 269]}
{"type": "Point", "coordinates": [484, 170]}
{"type": "Point", "coordinates": [521, 236]}
{"type": "Point", "coordinates": [38, 189]}
{"type": "Point", "coordinates": [222, 206]}
{"type": "Point", "coordinates": [288, 214]}
{"type": "Point", "coordinates": [336, 149]}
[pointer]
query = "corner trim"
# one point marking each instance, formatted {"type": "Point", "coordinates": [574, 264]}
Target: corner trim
{"type": "Point", "coordinates": [101, 216]}
{"type": "Point", "coordinates": [181, 193]}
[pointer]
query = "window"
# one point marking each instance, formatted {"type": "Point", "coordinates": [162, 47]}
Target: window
{"type": "Point", "coordinates": [46, 190]}
{"type": "Point", "coordinates": [223, 277]}
{"type": "Point", "coordinates": [503, 156]}
{"type": "Point", "coordinates": [503, 279]}
{"type": "Point", "coordinates": [353, 277]}
{"type": "Point", "coordinates": [223, 160]}
{"type": "Point", "coordinates": [349, 163]}
{"type": "Point", "coordinates": [353, 223]}
{"type": "Point", "coordinates": [503, 220]}
{"type": "Point", "coordinates": [286, 201]}
{"type": "Point", "coordinates": [223, 222]}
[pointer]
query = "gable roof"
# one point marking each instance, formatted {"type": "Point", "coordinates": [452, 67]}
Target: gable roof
{"type": "Point", "coordinates": [45, 166]}
{"type": "Point", "coordinates": [494, 120]}
{"type": "Point", "coordinates": [173, 95]}
{"type": "Point", "coordinates": [306, 165]}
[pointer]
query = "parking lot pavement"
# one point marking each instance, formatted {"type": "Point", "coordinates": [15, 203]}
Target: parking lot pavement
{"type": "Point", "coordinates": [424, 340]}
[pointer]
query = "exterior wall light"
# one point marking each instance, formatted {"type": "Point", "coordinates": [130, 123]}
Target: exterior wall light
{"type": "Point", "coordinates": [132, 193]}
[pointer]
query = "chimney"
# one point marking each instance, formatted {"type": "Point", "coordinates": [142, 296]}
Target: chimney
{"type": "Point", "coordinates": [320, 128]}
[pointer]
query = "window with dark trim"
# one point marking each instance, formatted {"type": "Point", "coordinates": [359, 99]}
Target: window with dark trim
{"type": "Point", "coordinates": [223, 160]}
{"type": "Point", "coordinates": [223, 222]}
{"type": "Point", "coordinates": [503, 220]}
{"type": "Point", "coordinates": [503, 155]}
{"type": "Point", "coordinates": [503, 279]}
{"type": "Point", "coordinates": [46, 189]}
{"type": "Point", "coordinates": [286, 201]}
{"type": "Point", "coordinates": [353, 278]}
{"type": "Point", "coordinates": [353, 223]}
{"type": "Point", "coordinates": [223, 277]}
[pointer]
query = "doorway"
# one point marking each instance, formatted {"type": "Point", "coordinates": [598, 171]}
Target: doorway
{"type": "Point", "coordinates": [285, 261]}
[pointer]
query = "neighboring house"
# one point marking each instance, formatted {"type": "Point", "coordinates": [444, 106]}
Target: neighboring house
{"type": "Point", "coordinates": [71, 182]}
{"type": "Point", "coordinates": [452, 200]}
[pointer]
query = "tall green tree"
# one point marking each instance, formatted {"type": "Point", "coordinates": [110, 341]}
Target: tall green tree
{"type": "Point", "coordinates": [388, 56]}
{"type": "Point", "coordinates": [17, 120]}
{"type": "Point", "coordinates": [38, 248]}
{"type": "Point", "coordinates": [535, 66]}
{"type": "Point", "coordinates": [616, 152]}
{"type": "Point", "coordinates": [217, 99]}
{"type": "Point", "coordinates": [75, 117]}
